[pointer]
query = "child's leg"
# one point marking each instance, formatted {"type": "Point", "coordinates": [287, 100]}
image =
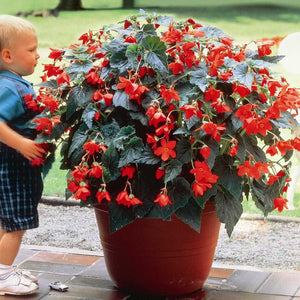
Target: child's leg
{"type": "Point", "coordinates": [9, 246]}
{"type": "Point", "coordinates": [2, 231]}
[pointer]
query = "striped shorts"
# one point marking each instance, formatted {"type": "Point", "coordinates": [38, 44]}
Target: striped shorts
{"type": "Point", "coordinates": [21, 189]}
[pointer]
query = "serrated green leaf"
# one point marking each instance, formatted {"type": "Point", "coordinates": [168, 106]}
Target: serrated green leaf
{"type": "Point", "coordinates": [199, 77]}
{"type": "Point", "coordinates": [241, 73]}
{"type": "Point", "coordinates": [228, 177]}
{"type": "Point", "coordinates": [80, 67]}
{"type": "Point", "coordinates": [78, 140]}
{"type": "Point", "coordinates": [110, 160]}
{"type": "Point", "coordinates": [122, 136]}
{"type": "Point", "coordinates": [155, 53]}
{"type": "Point", "coordinates": [133, 150]}
{"type": "Point", "coordinates": [179, 192]}
{"type": "Point", "coordinates": [228, 209]}
{"type": "Point", "coordinates": [183, 150]}
{"type": "Point", "coordinates": [147, 157]}
{"type": "Point", "coordinates": [190, 214]}
{"type": "Point", "coordinates": [173, 169]}
{"type": "Point", "coordinates": [122, 99]}
{"type": "Point", "coordinates": [88, 115]}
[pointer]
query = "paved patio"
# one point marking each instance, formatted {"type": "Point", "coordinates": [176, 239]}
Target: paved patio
{"type": "Point", "coordinates": [85, 274]}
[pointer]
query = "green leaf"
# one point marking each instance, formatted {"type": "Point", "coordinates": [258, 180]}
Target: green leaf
{"type": "Point", "coordinates": [228, 177]}
{"type": "Point", "coordinates": [179, 192]}
{"type": "Point", "coordinates": [132, 53]}
{"type": "Point", "coordinates": [79, 96]}
{"type": "Point", "coordinates": [252, 148]}
{"type": "Point", "coordinates": [122, 99]}
{"type": "Point", "coordinates": [110, 160]}
{"type": "Point", "coordinates": [241, 73]}
{"type": "Point", "coordinates": [164, 20]}
{"type": "Point", "coordinates": [147, 157]}
{"type": "Point", "coordinates": [88, 115]}
{"type": "Point", "coordinates": [78, 140]}
{"type": "Point", "coordinates": [213, 32]}
{"type": "Point", "coordinates": [173, 169]}
{"type": "Point", "coordinates": [190, 214]}
{"type": "Point", "coordinates": [133, 149]}
{"type": "Point", "coordinates": [155, 54]}
{"type": "Point", "coordinates": [147, 30]}
{"type": "Point", "coordinates": [122, 136]}
{"type": "Point", "coordinates": [199, 77]}
{"type": "Point", "coordinates": [47, 165]}
{"type": "Point", "coordinates": [118, 59]}
{"type": "Point", "coordinates": [119, 216]}
{"type": "Point", "coordinates": [183, 150]}
{"type": "Point", "coordinates": [264, 195]}
{"type": "Point", "coordinates": [80, 67]}
{"type": "Point", "coordinates": [109, 132]}
{"type": "Point", "coordinates": [228, 209]}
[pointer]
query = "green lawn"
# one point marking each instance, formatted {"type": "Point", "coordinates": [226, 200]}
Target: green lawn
{"type": "Point", "coordinates": [242, 19]}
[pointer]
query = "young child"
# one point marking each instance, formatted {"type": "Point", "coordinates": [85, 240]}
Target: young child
{"type": "Point", "coordinates": [20, 183]}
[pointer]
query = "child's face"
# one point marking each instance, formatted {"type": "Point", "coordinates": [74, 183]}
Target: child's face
{"type": "Point", "coordinates": [24, 55]}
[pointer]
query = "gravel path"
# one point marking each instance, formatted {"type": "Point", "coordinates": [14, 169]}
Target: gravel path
{"type": "Point", "coordinates": [253, 243]}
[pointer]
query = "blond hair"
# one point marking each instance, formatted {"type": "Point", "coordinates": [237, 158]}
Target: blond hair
{"type": "Point", "coordinates": [11, 27]}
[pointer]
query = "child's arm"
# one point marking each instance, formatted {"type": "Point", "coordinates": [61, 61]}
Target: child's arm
{"type": "Point", "coordinates": [25, 146]}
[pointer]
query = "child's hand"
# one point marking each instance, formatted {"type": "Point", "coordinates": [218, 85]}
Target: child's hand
{"type": "Point", "coordinates": [31, 150]}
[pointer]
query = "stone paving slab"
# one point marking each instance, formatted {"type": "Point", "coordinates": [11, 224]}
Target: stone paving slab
{"type": "Point", "coordinates": [87, 278]}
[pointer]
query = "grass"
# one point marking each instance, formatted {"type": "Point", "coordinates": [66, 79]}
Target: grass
{"type": "Point", "coordinates": [246, 20]}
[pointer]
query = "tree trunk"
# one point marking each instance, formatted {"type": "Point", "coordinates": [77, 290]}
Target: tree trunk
{"type": "Point", "coordinates": [69, 5]}
{"type": "Point", "coordinates": [128, 4]}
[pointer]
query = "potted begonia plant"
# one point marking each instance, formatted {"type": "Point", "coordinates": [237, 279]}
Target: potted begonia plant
{"type": "Point", "coordinates": [158, 118]}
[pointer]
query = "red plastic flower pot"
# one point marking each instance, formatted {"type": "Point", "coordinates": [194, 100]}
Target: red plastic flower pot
{"type": "Point", "coordinates": [159, 258]}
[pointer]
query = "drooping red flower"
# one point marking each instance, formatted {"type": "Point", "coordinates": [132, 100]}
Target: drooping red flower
{"type": "Point", "coordinates": [190, 111]}
{"type": "Point", "coordinates": [55, 54]}
{"type": "Point", "coordinates": [163, 200]}
{"type": "Point", "coordinates": [160, 173]}
{"type": "Point", "coordinates": [130, 39]}
{"type": "Point", "coordinates": [63, 78]}
{"type": "Point", "coordinates": [80, 174]}
{"type": "Point", "coordinates": [200, 187]}
{"type": "Point", "coordinates": [245, 111]}
{"type": "Point", "coordinates": [157, 118]}
{"type": "Point", "coordinates": [91, 147]}
{"type": "Point", "coordinates": [253, 171]}
{"type": "Point", "coordinates": [177, 67]}
{"type": "Point", "coordinates": [101, 195]}
{"type": "Point", "coordinates": [96, 170]}
{"type": "Point", "coordinates": [212, 94]}
{"type": "Point", "coordinates": [169, 94]}
{"type": "Point", "coordinates": [128, 171]}
{"type": "Point", "coordinates": [242, 90]}
{"type": "Point", "coordinates": [82, 193]}
{"type": "Point", "coordinates": [72, 186]}
{"type": "Point", "coordinates": [282, 146]}
{"type": "Point", "coordinates": [272, 150]}
{"type": "Point", "coordinates": [127, 200]}
{"type": "Point", "coordinates": [212, 129]}
{"type": "Point", "coordinates": [172, 35]}
{"type": "Point", "coordinates": [265, 48]}
{"type": "Point", "coordinates": [203, 173]}
{"type": "Point", "coordinates": [280, 203]}
{"type": "Point", "coordinates": [205, 152]}
{"type": "Point", "coordinates": [127, 85]}
{"type": "Point", "coordinates": [50, 102]}
{"type": "Point", "coordinates": [93, 78]}
{"type": "Point", "coordinates": [45, 125]}
{"type": "Point", "coordinates": [166, 150]}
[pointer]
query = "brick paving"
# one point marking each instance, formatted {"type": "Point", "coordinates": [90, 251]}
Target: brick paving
{"type": "Point", "coordinates": [87, 278]}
